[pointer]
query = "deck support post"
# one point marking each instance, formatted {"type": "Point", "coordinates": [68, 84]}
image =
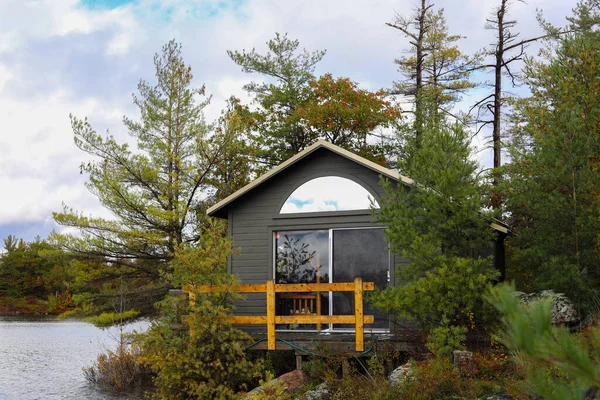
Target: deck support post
{"type": "Point", "coordinates": [271, 314]}
{"type": "Point", "coordinates": [358, 314]}
{"type": "Point", "coordinates": [298, 362]}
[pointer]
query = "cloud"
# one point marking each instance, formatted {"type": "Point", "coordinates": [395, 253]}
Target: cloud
{"type": "Point", "coordinates": [86, 56]}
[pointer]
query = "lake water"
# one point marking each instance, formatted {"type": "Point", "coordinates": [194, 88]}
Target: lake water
{"type": "Point", "coordinates": [42, 358]}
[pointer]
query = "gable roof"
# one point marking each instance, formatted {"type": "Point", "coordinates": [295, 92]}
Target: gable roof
{"type": "Point", "coordinates": [291, 161]}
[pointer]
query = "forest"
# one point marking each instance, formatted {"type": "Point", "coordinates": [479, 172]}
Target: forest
{"type": "Point", "coordinates": [544, 183]}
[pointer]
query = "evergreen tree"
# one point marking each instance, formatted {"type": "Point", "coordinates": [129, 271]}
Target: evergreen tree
{"type": "Point", "coordinates": [289, 71]}
{"type": "Point", "coordinates": [295, 108]}
{"type": "Point", "coordinates": [554, 177]}
{"type": "Point", "coordinates": [559, 364]}
{"type": "Point", "coordinates": [33, 268]}
{"type": "Point", "coordinates": [194, 351]}
{"type": "Point", "coordinates": [440, 226]}
{"type": "Point", "coordinates": [435, 71]}
{"type": "Point", "coordinates": [156, 191]}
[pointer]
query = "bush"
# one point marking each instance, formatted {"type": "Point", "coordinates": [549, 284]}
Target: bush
{"type": "Point", "coordinates": [196, 354]}
{"type": "Point", "coordinates": [192, 348]}
{"type": "Point", "coordinates": [434, 379]}
{"type": "Point", "coordinates": [106, 320]}
{"type": "Point", "coordinates": [270, 390]}
{"type": "Point", "coordinates": [444, 340]}
{"type": "Point", "coordinates": [117, 370]}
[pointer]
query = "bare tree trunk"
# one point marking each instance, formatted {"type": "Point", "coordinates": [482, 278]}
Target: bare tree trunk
{"type": "Point", "coordinates": [419, 74]}
{"type": "Point", "coordinates": [498, 89]}
{"type": "Point", "coordinates": [415, 28]}
{"type": "Point", "coordinates": [502, 60]}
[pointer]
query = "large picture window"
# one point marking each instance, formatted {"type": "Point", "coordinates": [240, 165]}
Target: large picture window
{"type": "Point", "coordinates": [332, 255]}
{"type": "Point", "coordinates": [302, 257]}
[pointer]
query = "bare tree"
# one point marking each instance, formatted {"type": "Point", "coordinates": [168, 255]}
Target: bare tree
{"type": "Point", "coordinates": [506, 50]}
{"type": "Point", "coordinates": [414, 26]}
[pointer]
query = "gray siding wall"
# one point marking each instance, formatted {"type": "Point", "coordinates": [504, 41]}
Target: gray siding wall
{"type": "Point", "coordinates": [255, 217]}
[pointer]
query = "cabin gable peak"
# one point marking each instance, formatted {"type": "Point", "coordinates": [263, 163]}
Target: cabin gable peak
{"type": "Point", "coordinates": [220, 209]}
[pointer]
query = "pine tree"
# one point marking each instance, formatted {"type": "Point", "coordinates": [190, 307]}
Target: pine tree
{"type": "Point", "coordinates": [195, 352]}
{"type": "Point", "coordinates": [440, 226]}
{"type": "Point", "coordinates": [559, 364]}
{"type": "Point", "coordinates": [554, 177]}
{"type": "Point", "coordinates": [155, 191]}
{"type": "Point", "coordinates": [289, 70]}
{"type": "Point", "coordinates": [436, 72]}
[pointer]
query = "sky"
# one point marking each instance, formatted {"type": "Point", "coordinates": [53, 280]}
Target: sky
{"type": "Point", "coordinates": [85, 57]}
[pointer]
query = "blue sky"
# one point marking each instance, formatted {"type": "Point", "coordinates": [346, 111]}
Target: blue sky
{"type": "Point", "coordinates": [85, 57]}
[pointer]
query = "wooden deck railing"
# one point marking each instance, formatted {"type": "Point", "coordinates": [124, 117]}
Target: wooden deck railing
{"type": "Point", "coordinates": [270, 288]}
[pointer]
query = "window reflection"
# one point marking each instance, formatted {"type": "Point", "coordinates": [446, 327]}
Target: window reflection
{"type": "Point", "coordinates": [302, 257]}
{"type": "Point", "coordinates": [329, 193]}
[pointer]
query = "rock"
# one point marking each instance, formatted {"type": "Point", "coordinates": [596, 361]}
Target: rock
{"type": "Point", "coordinates": [563, 309]}
{"type": "Point", "coordinates": [462, 359]}
{"type": "Point", "coordinates": [588, 321]}
{"type": "Point", "coordinates": [290, 382]}
{"type": "Point", "coordinates": [292, 379]}
{"type": "Point", "coordinates": [321, 392]}
{"type": "Point", "coordinates": [400, 374]}
{"type": "Point", "coordinates": [500, 396]}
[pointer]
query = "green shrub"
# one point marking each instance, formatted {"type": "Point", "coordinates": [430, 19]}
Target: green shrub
{"type": "Point", "coordinates": [434, 379]}
{"type": "Point", "coordinates": [197, 355]}
{"type": "Point", "coordinates": [271, 391]}
{"type": "Point", "coordinates": [194, 351]}
{"type": "Point", "coordinates": [106, 320]}
{"type": "Point", "coordinates": [444, 340]}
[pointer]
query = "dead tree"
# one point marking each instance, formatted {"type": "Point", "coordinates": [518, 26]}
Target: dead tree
{"type": "Point", "coordinates": [505, 51]}
{"type": "Point", "coordinates": [414, 27]}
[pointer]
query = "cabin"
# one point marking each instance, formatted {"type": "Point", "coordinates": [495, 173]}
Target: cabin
{"type": "Point", "coordinates": [309, 221]}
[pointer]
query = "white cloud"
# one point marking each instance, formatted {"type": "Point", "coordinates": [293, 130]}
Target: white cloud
{"type": "Point", "coordinates": [5, 76]}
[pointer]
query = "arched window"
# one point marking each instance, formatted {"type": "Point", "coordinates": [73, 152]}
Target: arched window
{"type": "Point", "coordinates": [328, 193]}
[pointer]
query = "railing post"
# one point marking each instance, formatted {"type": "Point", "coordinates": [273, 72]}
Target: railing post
{"type": "Point", "coordinates": [271, 314]}
{"type": "Point", "coordinates": [358, 314]}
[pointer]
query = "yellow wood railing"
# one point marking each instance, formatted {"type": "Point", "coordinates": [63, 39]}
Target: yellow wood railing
{"type": "Point", "coordinates": [270, 288]}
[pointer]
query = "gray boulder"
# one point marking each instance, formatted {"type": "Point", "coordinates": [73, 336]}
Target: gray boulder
{"type": "Point", "coordinates": [321, 392]}
{"type": "Point", "coordinates": [563, 309]}
{"type": "Point", "coordinates": [401, 374]}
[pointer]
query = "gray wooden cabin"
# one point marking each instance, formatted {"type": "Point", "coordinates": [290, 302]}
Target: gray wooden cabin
{"type": "Point", "coordinates": [309, 220]}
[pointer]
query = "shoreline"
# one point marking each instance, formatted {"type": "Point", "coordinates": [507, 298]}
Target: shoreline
{"type": "Point", "coordinates": [18, 306]}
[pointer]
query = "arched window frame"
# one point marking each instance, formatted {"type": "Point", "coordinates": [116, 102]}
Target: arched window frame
{"type": "Point", "coordinates": [352, 178]}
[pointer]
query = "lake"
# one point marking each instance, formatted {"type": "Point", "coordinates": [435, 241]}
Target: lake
{"type": "Point", "coordinates": [42, 358]}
